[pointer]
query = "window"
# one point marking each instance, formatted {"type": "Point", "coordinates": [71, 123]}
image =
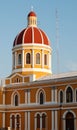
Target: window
{"type": "Point", "coordinates": [45, 59]}
{"type": "Point", "coordinates": [18, 121]}
{"type": "Point", "coordinates": [76, 95]}
{"type": "Point", "coordinates": [13, 121]}
{"type": "Point", "coordinates": [43, 121]}
{"type": "Point", "coordinates": [69, 95]}
{"type": "Point", "coordinates": [19, 59]}
{"type": "Point", "coordinates": [38, 121]}
{"type": "Point", "coordinates": [61, 97]}
{"type": "Point", "coordinates": [16, 100]}
{"type": "Point", "coordinates": [69, 121]}
{"type": "Point", "coordinates": [37, 58]}
{"type": "Point", "coordinates": [17, 80]}
{"type": "Point", "coordinates": [41, 98]}
{"type": "Point", "coordinates": [13, 59]}
{"type": "Point", "coordinates": [28, 58]}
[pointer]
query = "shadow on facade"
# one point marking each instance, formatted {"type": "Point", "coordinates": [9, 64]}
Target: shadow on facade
{"type": "Point", "coordinates": [3, 128]}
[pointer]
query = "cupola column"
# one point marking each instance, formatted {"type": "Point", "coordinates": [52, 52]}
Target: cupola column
{"type": "Point", "coordinates": [15, 59]}
{"type": "Point", "coordinates": [32, 60]}
{"type": "Point", "coordinates": [49, 60]}
{"type": "Point", "coordinates": [42, 58]}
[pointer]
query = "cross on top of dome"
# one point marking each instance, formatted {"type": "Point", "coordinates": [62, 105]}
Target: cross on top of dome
{"type": "Point", "coordinates": [31, 8]}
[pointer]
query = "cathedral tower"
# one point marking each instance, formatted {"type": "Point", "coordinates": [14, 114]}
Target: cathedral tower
{"type": "Point", "coordinates": [31, 50]}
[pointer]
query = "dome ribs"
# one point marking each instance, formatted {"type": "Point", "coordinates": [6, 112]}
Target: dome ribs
{"type": "Point", "coordinates": [31, 35]}
{"type": "Point", "coordinates": [28, 36]}
{"type": "Point", "coordinates": [37, 36]}
{"type": "Point", "coordinates": [19, 38]}
{"type": "Point", "coordinates": [45, 38]}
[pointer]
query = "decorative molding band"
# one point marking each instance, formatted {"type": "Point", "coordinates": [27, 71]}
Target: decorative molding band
{"type": "Point", "coordinates": [31, 69]}
{"type": "Point", "coordinates": [31, 45]}
{"type": "Point", "coordinates": [38, 109]}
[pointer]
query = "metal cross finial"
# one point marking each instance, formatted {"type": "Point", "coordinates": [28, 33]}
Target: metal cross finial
{"type": "Point", "coordinates": [31, 8]}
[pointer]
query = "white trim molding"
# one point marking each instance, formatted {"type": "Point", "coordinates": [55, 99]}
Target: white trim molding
{"type": "Point", "coordinates": [28, 120]}
{"type": "Point", "coordinates": [3, 121]}
{"type": "Point", "coordinates": [53, 119]}
{"type": "Point", "coordinates": [32, 69]}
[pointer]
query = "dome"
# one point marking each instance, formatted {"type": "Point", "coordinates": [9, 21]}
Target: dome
{"type": "Point", "coordinates": [32, 34]}
{"type": "Point", "coordinates": [32, 14]}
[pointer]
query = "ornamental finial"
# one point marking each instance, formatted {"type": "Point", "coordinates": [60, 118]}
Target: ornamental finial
{"type": "Point", "coordinates": [31, 8]}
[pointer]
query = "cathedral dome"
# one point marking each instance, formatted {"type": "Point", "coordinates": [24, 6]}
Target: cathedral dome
{"type": "Point", "coordinates": [32, 34]}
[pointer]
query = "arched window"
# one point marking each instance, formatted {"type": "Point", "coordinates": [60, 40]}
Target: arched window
{"type": "Point", "coordinates": [61, 97]}
{"type": "Point", "coordinates": [69, 95]}
{"type": "Point", "coordinates": [38, 120]}
{"type": "Point", "coordinates": [17, 80]}
{"type": "Point", "coordinates": [18, 121]}
{"type": "Point", "coordinates": [37, 58]}
{"type": "Point", "coordinates": [43, 121]}
{"type": "Point", "coordinates": [13, 59]}
{"type": "Point", "coordinates": [45, 59]}
{"type": "Point", "coordinates": [69, 121]}
{"type": "Point", "coordinates": [76, 95]}
{"type": "Point", "coordinates": [28, 58]}
{"type": "Point", "coordinates": [41, 98]}
{"type": "Point", "coordinates": [19, 59]}
{"type": "Point", "coordinates": [13, 121]}
{"type": "Point", "coordinates": [16, 100]}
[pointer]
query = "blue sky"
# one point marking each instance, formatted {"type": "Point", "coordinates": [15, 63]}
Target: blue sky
{"type": "Point", "coordinates": [13, 18]}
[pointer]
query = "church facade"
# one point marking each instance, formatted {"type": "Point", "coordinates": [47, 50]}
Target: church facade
{"type": "Point", "coordinates": [32, 98]}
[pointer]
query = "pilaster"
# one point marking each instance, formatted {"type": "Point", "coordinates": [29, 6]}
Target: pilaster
{"type": "Point", "coordinates": [23, 58]}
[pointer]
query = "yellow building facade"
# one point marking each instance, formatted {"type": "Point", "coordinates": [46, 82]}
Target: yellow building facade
{"type": "Point", "coordinates": [32, 98]}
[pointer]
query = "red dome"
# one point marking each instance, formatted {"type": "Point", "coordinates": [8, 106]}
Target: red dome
{"type": "Point", "coordinates": [31, 35]}
{"type": "Point", "coordinates": [31, 14]}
